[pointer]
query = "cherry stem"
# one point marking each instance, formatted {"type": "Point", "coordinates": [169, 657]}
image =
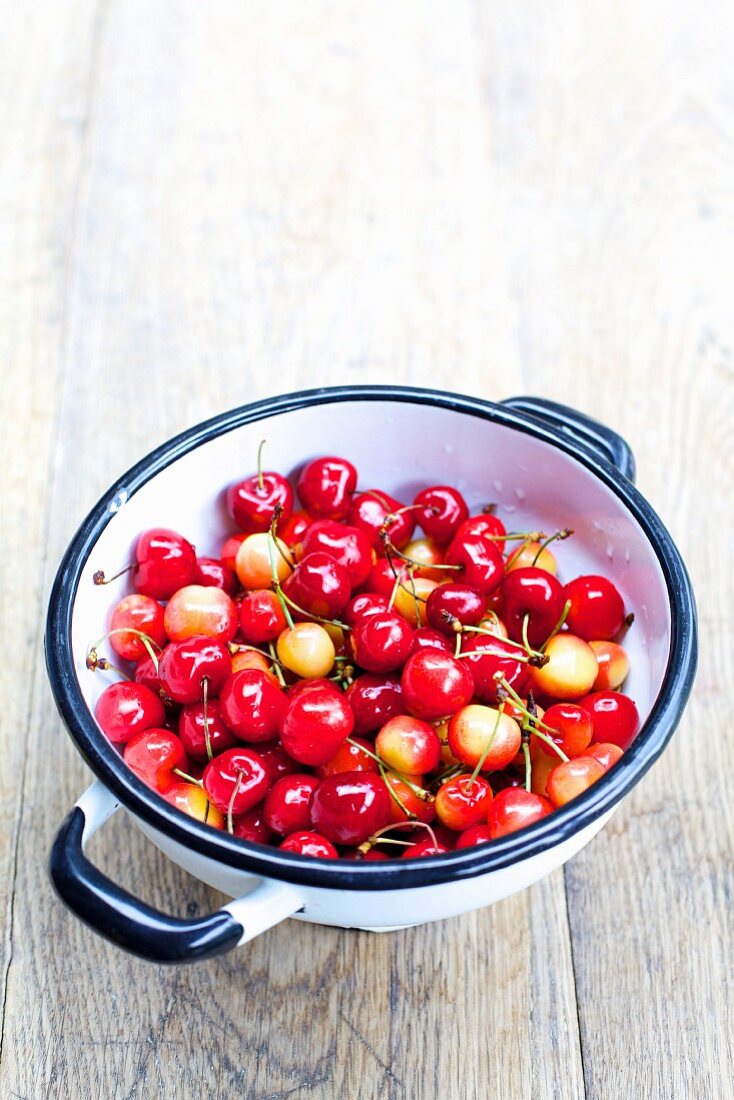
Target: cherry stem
{"type": "Point", "coordinates": [564, 533]}
{"type": "Point", "coordinates": [385, 538]}
{"type": "Point", "coordinates": [505, 686]}
{"type": "Point", "coordinates": [531, 655]}
{"type": "Point", "coordinates": [235, 789]}
{"type": "Point", "coordinates": [309, 614]}
{"type": "Point", "coordinates": [276, 583]}
{"type": "Point", "coordinates": [100, 578]}
{"type": "Point", "coordinates": [260, 482]}
{"type": "Point", "coordinates": [488, 746]}
{"type": "Point", "coordinates": [528, 766]}
{"type": "Point", "coordinates": [561, 620]}
{"type": "Point", "coordinates": [419, 792]}
{"type": "Point", "coordinates": [457, 647]}
{"type": "Point", "coordinates": [187, 777]}
{"type": "Point", "coordinates": [101, 664]}
{"type": "Point", "coordinates": [551, 744]}
{"type": "Point", "coordinates": [396, 797]}
{"type": "Point", "coordinates": [365, 846]}
{"type": "Point", "coordinates": [277, 667]}
{"type": "Point", "coordinates": [449, 773]}
{"type": "Point", "coordinates": [205, 699]}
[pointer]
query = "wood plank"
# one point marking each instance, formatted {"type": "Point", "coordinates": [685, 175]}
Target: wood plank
{"type": "Point", "coordinates": [275, 197]}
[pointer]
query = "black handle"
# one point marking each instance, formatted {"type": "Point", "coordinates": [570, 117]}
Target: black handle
{"type": "Point", "coordinates": [124, 919]}
{"type": "Point", "coordinates": [595, 436]}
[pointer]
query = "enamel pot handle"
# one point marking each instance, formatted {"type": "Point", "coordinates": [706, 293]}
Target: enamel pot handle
{"type": "Point", "coordinates": [137, 927]}
{"type": "Point", "coordinates": [590, 433]}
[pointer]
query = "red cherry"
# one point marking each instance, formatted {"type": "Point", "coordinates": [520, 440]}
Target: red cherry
{"type": "Point", "coordinates": [425, 637]}
{"type": "Point", "coordinates": [191, 730]}
{"type": "Point", "coordinates": [476, 834]}
{"type": "Point", "coordinates": [347, 545]}
{"type": "Point", "coordinates": [513, 809]}
{"type": "Point", "coordinates": [366, 603]}
{"type": "Point", "coordinates": [277, 759]}
{"type": "Point", "coordinates": [536, 593]}
{"type": "Point", "coordinates": [251, 826]}
{"type": "Point", "coordinates": [606, 754]}
{"type": "Point", "coordinates": [350, 806]}
{"type": "Point", "coordinates": [435, 684]}
{"type": "Point", "coordinates": [487, 525]}
{"type": "Point", "coordinates": [381, 642]}
{"type": "Point", "coordinates": [252, 706]}
{"type": "Point", "coordinates": [373, 856]}
{"type": "Point", "coordinates": [571, 778]}
{"type": "Point", "coordinates": [424, 848]}
{"type": "Point", "coordinates": [350, 758]}
{"type": "Point", "coordinates": [482, 563]}
{"type": "Point", "coordinates": [325, 487]}
{"type": "Point", "coordinates": [127, 708]}
{"type": "Point", "coordinates": [597, 609]}
{"type": "Point", "coordinates": [369, 511]}
{"type": "Point", "coordinates": [213, 573]}
{"type": "Point", "coordinates": [236, 780]}
{"type": "Point", "coordinates": [152, 754]}
{"type": "Point", "coordinates": [261, 617]}
{"type": "Point", "coordinates": [574, 730]}
{"type": "Point", "coordinates": [146, 672]}
{"type": "Point", "coordinates": [316, 722]}
{"type": "Point", "coordinates": [286, 803]}
{"type": "Point", "coordinates": [136, 613]}
{"type": "Point", "coordinates": [615, 717]}
{"type": "Point", "coordinates": [462, 802]}
{"type": "Point", "coordinates": [309, 844]}
{"type": "Point", "coordinates": [292, 530]}
{"type": "Point", "coordinates": [165, 563]}
{"type": "Point", "coordinates": [251, 503]}
{"type": "Point", "coordinates": [319, 585]}
{"type": "Point", "coordinates": [409, 745]}
{"type": "Point", "coordinates": [489, 656]}
{"type": "Point", "coordinates": [374, 700]}
{"type": "Point", "coordinates": [442, 511]}
{"type": "Point", "coordinates": [451, 603]}
{"type": "Point", "coordinates": [184, 666]}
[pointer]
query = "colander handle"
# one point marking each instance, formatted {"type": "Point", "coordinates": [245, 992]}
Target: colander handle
{"type": "Point", "coordinates": [590, 433]}
{"type": "Point", "coordinates": [139, 928]}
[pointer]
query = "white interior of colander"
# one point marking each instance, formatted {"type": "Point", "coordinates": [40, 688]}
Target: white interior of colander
{"type": "Point", "coordinates": [400, 448]}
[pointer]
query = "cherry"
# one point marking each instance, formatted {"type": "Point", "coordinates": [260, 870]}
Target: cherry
{"type": "Point", "coordinates": [481, 561]}
{"type": "Point", "coordinates": [146, 672]}
{"type": "Point", "coordinates": [435, 684]}
{"type": "Point", "coordinates": [213, 573]}
{"type": "Point", "coordinates": [425, 637]}
{"type": "Point", "coordinates": [349, 757]}
{"type": "Point", "coordinates": [261, 617]}
{"type": "Point", "coordinates": [487, 525]}
{"type": "Point", "coordinates": [476, 834]}
{"type": "Point", "coordinates": [309, 844]}
{"type": "Point", "coordinates": [615, 717]}
{"type": "Point", "coordinates": [307, 650]}
{"type": "Point", "coordinates": [606, 754]}
{"type": "Point", "coordinates": [427, 554]}
{"type": "Point", "coordinates": [369, 512]}
{"type": "Point", "coordinates": [252, 503]}
{"type": "Point", "coordinates": [383, 577]}
{"type": "Point", "coordinates": [256, 557]}
{"type": "Point", "coordinates": [455, 603]}
{"type": "Point", "coordinates": [153, 754]}
{"type": "Point", "coordinates": [534, 593]}
{"type": "Point", "coordinates": [571, 778]}
{"type": "Point", "coordinates": [251, 825]}
{"type": "Point", "coordinates": [571, 669]}
{"type": "Point", "coordinates": [191, 800]}
{"type": "Point", "coordinates": [574, 729]}
{"type": "Point", "coordinates": [514, 808]}
{"type": "Point", "coordinates": [138, 613]}
{"type": "Point", "coordinates": [441, 512]}
{"type": "Point", "coordinates": [348, 807]}
{"type": "Point", "coordinates": [597, 609]}
{"type": "Point", "coordinates": [196, 610]}
{"type": "Point", "coordinates": [192, 729]}
{"type": "Point", "coordinates": [463, 801]}
{"type": "Point", "coordinates": [316, 722]}
{"type": "Point", "coordinates": [366, 603]}
{"type": "Point", "coordinates": [613, 665]}
{"type": "Point", "coordinates": [406, 802]}
{"type": "Point", "coordinates": [532, 555]}
{"type": "Point", "coordinates": [294, 528]}
{"type": "Point", "coordinates": [286, 804]}
{"type": "Point", "coordinates": [409, 745]}
{"type": "Point", "coordinates": [347, 545]}
{"type": "Point", "coordinates": [425, 847]}
{"type": "Point", "coordinates": [277, 759]}
{"type": "Point", "coordinates": [236, 780]}
{"type": "Point", "coordinates": [125, 708]}
{"type": "Point", "coordinates": [411, 597]}
{"type": "Point", "coordinates": [373, 856]}
{"type": "Point", "coordinates": [381, 642]}
{"type": "Point", "coordinates": [483, 737]}
{"type": "Point", "coordinates": [325, 487]}
{"type": "Point", "coordinates": [486, 657]}
{"type": "Point", "coordinates": [165, 562]}
{"type": "Point", "coordinates": [250, 658]}
{"type": "Point", "coordinates": [184, 666]}
{"type": "Point", "coordinates": [228, 553]}
{"type": "Point", "coordinates": [252, 706]}
{"type": "Point", "coordinates": [319, 585]}
{"type": "Point", "coordinates": [374, 700]}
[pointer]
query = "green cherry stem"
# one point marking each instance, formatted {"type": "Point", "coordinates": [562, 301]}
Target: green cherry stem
{"type": "Point", "coordinates": [260, 482]}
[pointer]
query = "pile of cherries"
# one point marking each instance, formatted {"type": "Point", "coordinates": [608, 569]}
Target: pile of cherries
{"type": "Point", "coordinates": [339, 684]}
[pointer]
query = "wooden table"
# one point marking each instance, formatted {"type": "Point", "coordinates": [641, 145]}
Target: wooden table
{"type": "Point", "coordinates": [204, 204]}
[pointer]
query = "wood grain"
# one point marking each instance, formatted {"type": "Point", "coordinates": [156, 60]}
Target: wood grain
{"type": "Point", "coordinates": [205, 204]}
